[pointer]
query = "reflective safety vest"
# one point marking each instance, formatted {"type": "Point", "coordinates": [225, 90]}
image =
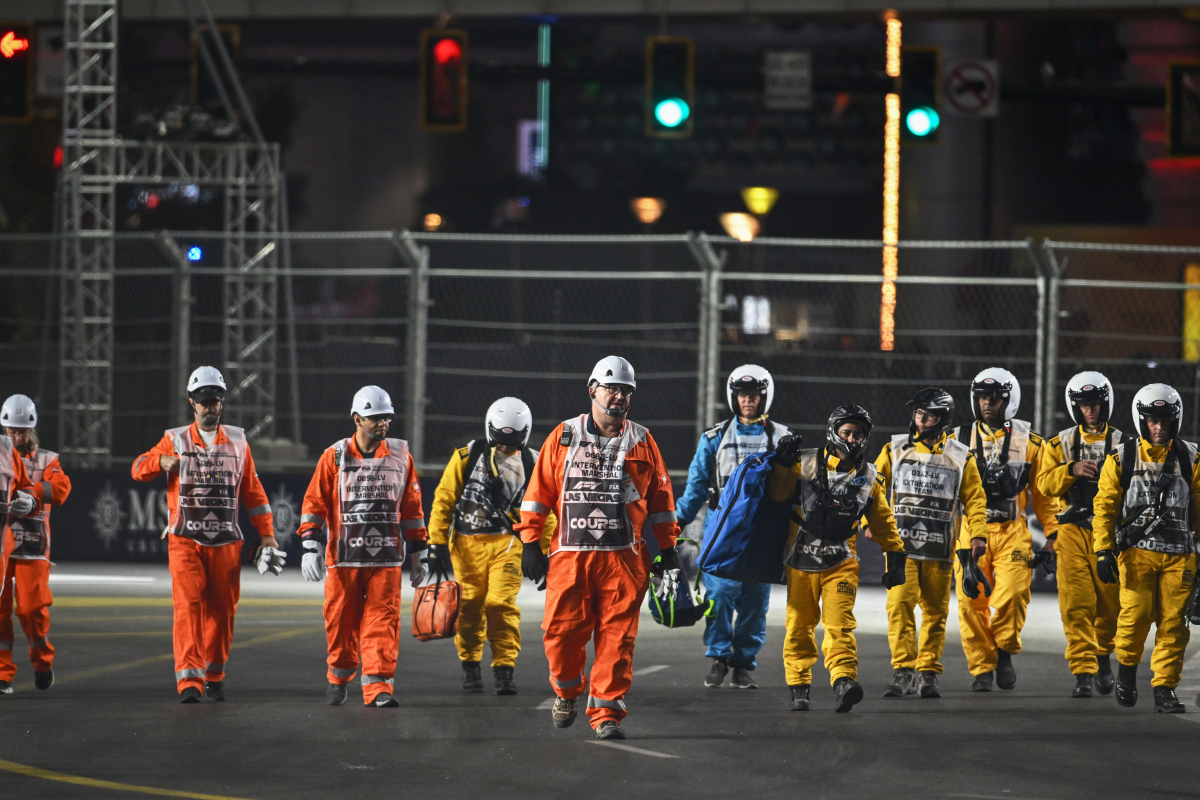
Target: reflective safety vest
{"type": "Point", "coordinates": [370, 491]}
{"type": "Point", "coordinates": [1072, 447]}
{"type": "Point", "coordinates": [595, 488]}
{"type": "Point", "coordinates": [8, 478]}
{"type": "Point", "coordinates": [991, 461]}
{"type": "Point", "coordinates": [814, 549]}
{"type": "Point", "coordinates": [736, 447]}
{"type": "Point", "coordinates": [31, 535]}
{"type": "Point", "coordinates": [209, 482]}
{"type": "Point", "coordinates": [478, 511]}
{"type": "Point", "coordinates": [924, 496]}
{"type": "Point", "coordinates": [1138, 508]}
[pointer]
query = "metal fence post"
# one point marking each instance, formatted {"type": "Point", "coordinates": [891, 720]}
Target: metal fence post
{"type": "Point", "coordinates": [418, 331]}
{"type": "Point", "coordinates": [1054, 275]}
{"type": "Point", "coordinates": [1039, 368]}
{"type": "Point", "coordinates": [710, 329]}
{"type": "Point", "coordinates": [181, 313]}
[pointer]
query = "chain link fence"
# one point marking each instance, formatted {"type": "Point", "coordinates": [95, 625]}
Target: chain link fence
{"type": "Point", "coordinates": [448, 323]}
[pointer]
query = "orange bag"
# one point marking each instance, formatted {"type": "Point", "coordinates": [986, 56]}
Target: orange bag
{"type": "Point", "coordinates": [435, 610]}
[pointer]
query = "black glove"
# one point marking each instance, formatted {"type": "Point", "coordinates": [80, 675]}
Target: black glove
{"type": "Point", "coordinates": [972, 576]}
{"type": "Point", "coordinates": [1106, 566]}
{"type": "Point", "coordinates": [534, 563]}
{"type": "Point", "coordinates": [439, 561]}
{"type": "Point", "coordinates": [667, 559]}
{"type": "Point", "coordinates": [894, 575]}
{"type": "Point", "coordinates": [787, 451]}
{"type": "Point", "coordinates": [1046, 559]}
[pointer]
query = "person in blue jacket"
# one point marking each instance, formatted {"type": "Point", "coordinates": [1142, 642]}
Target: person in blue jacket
{"type": "Point", "coordinates": [732, 644]}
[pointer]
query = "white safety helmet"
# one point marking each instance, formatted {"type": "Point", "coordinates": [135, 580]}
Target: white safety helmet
{"type": "Point", "coordinates": [371, 401]}
{"type": "Point", "coordinates": [18, 411]}
{"type": "Point", "coordinates": [206, 382]}
{"type": "Point", "coordinates": [1157, 400]}
{"type": "Point", "coordinates": [750, 378]}
{"type": "Point", "coordinates": [509, 422]}
{"type": "Point", "coordinates": [996, 380]}
{"type": "Point", "coordinates": [1091, 388]}
{"type": "Point", "coordinates": [612, 369]}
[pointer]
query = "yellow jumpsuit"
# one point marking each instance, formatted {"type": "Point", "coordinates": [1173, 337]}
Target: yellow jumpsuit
{"type": "Point", "coordinates": [927, 583]}
{"type": "Point", "coordinates": [988, 623]}
{"type": "Point", "coordinates": [827, 595]}
{"type": "Point", "coordinates": [1154, 586]}
{"type": "Point", "coordinates": [1088, 605]}
{"type": "Point", "coordinates": [486, 565]}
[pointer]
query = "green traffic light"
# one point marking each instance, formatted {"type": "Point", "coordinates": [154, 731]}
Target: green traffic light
{"type": "Point", "coordinates": [672, 112]}
{"type": "Point", "coordinates": [922, 121]}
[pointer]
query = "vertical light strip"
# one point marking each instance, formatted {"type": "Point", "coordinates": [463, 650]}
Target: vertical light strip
{"type": "Point", "coordinates": [543, 98]}
{"type": "Point", "coordinates": [891, 195]}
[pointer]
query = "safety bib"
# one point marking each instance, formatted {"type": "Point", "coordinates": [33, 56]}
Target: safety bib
{"type": "Point", "coordinates": [924, 494]}
{"type": "Point", "coordinates": [1174, 535]}
{"type": "Point", "coordinates": [477, 512]}
{"type": "Point", "coordinates": [209, 479]}
{"type": "Point", "coordinates": [595, 488]}
{"type": "Point", "coordinates": [736, 446]}
{"type": "Point", "coordinates": [812, 550]}
{"type": "Point", "coordinates": [31, 535]}
{"type": "Point", "coordinates": [1073, 446]}
{"type": "Point", "coordinates": [1018, 448]}
{"type": "Point", "coordinates": [369, 494]}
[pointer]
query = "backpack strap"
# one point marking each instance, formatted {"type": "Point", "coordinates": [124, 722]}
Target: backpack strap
{"type": "Point", "coordinates": [1128, 457]}
{"type": "Point", "coordinates": [1184, 460]}
{"type": "Point", "coordinates": [527, 463]}
{"type": "Point", "coordinates": [478, 448]}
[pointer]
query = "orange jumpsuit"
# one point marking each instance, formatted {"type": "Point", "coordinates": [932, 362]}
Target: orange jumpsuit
{"type": "Point", "coordinates": [366, 505]}
{"type": "Point", "coordinates": [13, 477]}
{"type": "Point", "coordinates": [204, 549]}
{"type": "Point", "coordinates": [604, 494]}
{"type": "Point", "coordinates": [27, 578]}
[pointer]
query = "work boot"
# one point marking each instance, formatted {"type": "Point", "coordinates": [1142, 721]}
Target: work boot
{"type": "Point", "coordinates": [982, 683]}
{"type": "Point", "coordinates": [1083, 685]}
{"type": "Point", "coordinates": [742, 679]}
{"type": "Point", "coordinates": [799, 697]}
{"type": "Point", "coordinates": [6, 687]}
{"type": "Point", "coordinates": [215, 691]}
{"type": "Point", "coordinates": [189, 695]}
{"type": "Point", "coordinates": [563, 712]}
{"type": "Point", "coordinates": [1006, 676]}
{"type": "Point", "coordinates": [385, 700]}
{"type": "Point", "coordinates": [716, 675]}
{"type": "Point", "coordinates": [609, 729]}
{"type": "Point", "coordinates": [1165, 701]}
{"type": "Point", "coordinates": [929, 685]}
{"type": "Point", "coordinates": [504, 680]}
{"type": "Point", "coordinates": [1104, 676]}
{"type": "Point", "coordinates": [472, 676]}
{"type": "Point", "coordinates": [335, 694]}
{"type": "Point", "coordinates": [904, 682]}
{"type": "Point", "coordinates": [1126, 685]}
{"type": "Point", "coordinates": [43, 680]}
{"type": "Point", "coordinates": [847, 692]}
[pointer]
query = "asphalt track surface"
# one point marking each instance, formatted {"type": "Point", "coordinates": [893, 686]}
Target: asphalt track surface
{"type": "Point", "coordinates": [111, 727]}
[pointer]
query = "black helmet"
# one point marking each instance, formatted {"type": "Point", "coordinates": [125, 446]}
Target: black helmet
{"type": "Point", "coordinates": [840, 416]}
{"type": "Point", "coordinates": [934, 401]}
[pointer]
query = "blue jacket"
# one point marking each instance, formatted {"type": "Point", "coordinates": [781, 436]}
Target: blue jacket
{"type": "Point", "coordinates": [700, 475]}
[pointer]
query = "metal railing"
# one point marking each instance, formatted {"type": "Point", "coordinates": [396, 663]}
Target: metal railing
{"type": "Point", "coordinates": [447, 323]}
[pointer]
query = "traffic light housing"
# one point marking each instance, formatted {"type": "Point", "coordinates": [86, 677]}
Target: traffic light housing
{"type": "Point", "coordinates": [16, 72]}
{"type": "Point", "coordinates": [444, 80]}
{"type": "Point", "coordinates": [920, 93]}
{"type": "Point", "coordinates": [670, 87]}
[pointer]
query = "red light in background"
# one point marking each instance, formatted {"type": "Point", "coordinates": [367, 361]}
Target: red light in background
{"type": "Point", "coordinates": [58, 157]}
{"type": "Point", "coordinates": [151, 201]}
{"type": "Point", "coordinates": [447, 50]}
{"type": "Point", "coordinates": [10, 45]}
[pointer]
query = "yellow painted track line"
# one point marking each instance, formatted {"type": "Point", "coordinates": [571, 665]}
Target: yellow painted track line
{"type": "Point", "coordinates": [94, 634]}
{"type": "Point", "coordinates": [68, 619]}
{"type": "Point", "coordinates": [141, 662]}
{"type": "Point", "coordinates": [142, 602]}
{"type": "Point", "coordinates": [45, 774]}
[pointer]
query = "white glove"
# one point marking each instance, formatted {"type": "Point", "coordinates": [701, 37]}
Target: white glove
{"type": "Point", "coordinates": [313, 562]}
{"type": "Point", "coordinates": [669, 583]}
{"type": "Point", "coordinates": [420, 569]}
{"type": "Point", "coordinates": [270, 558]}
{"type": "Point", "coordinates": [21, 505]}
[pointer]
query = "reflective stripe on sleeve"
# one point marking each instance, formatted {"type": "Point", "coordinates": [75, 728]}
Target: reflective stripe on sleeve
{"type": "Point", "coordinates": [343, 673]}
{"type": "Point", "coordinates": [258, 511]}
{"type": "Point", "coordinates": [596, 702]}
{"type": "Point", "coordinates": [313, 518]}
{"type": "Point", "coordinates": [369, 679]}
{"type": "Point", "coordinates": [410, 524]}
{"type": "Point", "coordinates": [662, 516]}
{"type": "Point", "coordinates": [534, 507]}
{"type": "Point", "coordinates": [184, 674]}
{"type": "Point", "coordinates": [47, 493]}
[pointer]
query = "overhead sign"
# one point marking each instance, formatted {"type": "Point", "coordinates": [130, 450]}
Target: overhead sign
{"type": "Point", "coordinates": [972, 88]}
{"type": "Point", "coordinates": [787, 76]}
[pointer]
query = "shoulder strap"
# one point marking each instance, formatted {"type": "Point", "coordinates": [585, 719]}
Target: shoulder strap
{"type": "Point", "coordinates": [1185, 460]}
{"type": "Point", "coordinates": [768, 428]}
{"type": "Point", "coordinates": [722, 429]}
{"type": "Point", "coordinates": [478, 448]}
{"type": "Point", "coordinates": [527, 463]}
{"type": "Point", "coordinates": [1078, 443]}
{"type": "Point", "coordinates": [1128, 459]}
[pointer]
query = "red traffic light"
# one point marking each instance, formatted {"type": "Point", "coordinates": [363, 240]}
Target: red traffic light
{"type": "Point", "coordinates": [11, 44]}
{"type": "Point", "coordinates": [447, 50]}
